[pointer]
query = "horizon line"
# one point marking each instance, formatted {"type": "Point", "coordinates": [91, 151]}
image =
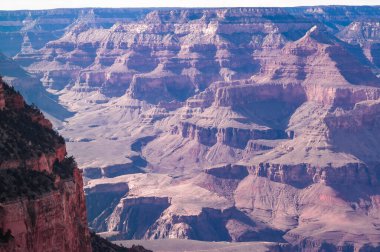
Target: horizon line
{"type": "Point", "coordinates": [185, 7]}
{"type": "Point", "coordinates": [28, 5]}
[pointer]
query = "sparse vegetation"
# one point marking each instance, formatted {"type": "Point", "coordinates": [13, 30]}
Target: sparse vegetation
{"type": "Point", "coordinates": [65, 168]}
{"type": "Point", "coordinates": [15, 183]}
{"type": "Point", "coordinates": [5, 236]}
{"type": "Point", "coordinates": [9, 90]}
{"type": "Point", "coordinates": [22, 139]}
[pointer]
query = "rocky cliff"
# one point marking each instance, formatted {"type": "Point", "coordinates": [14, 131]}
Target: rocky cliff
{"type": "Point", "coordinates": [42, 201]}
{"type": "Point", "coordinates": [42, 204]}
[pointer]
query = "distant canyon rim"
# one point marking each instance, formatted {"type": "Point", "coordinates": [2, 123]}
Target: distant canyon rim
{"type": "Point", "coordinates": [229, 124]}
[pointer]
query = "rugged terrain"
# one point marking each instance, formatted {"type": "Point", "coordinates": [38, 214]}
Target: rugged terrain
{"type": "Point", "coordinates": [246, 124]}
{"type": "Point", "coordinates": [42, 204]}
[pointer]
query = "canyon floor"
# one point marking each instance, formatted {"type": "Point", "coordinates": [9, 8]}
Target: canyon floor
{"type": "Point", "coordinates": [175, 245]}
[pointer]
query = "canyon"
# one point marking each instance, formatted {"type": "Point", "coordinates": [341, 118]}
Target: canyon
{"type": "Point", "coordinates": [42, 203]}
{"type": "Point", "coordinates": [239, 125]}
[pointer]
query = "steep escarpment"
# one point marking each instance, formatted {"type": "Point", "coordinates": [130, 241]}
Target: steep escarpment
{"type": "Point", "coordinates": [42, 201]}
{"type": "Point", "coordinates": [42, 204]}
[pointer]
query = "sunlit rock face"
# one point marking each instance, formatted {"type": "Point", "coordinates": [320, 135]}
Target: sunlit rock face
{"type": "Point", "coordinates": [42, 201]}
{"type": "Point", "coordinates": [246, 124]}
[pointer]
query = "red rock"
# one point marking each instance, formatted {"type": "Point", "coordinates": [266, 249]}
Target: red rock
{"type": "Point", "coordinates": [53, 222]}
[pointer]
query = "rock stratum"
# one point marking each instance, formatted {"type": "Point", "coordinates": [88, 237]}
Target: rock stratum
{"type": "Point", "coordinates": [242, 124]}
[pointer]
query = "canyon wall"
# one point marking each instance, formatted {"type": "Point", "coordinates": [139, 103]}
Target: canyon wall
{"type": "Point", "coordinates": [42, 204]}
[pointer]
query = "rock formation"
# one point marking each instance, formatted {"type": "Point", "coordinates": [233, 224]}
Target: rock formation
{"type": "Point", "coordinates": [42, 203]}
{"type": "Point", "coordinates": [242, 124]}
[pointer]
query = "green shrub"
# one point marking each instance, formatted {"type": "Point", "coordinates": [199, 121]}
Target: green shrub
{"type": "Point", "coordinates": [16, 183]}
{"type": "Point", "coordinates": [65, 168]}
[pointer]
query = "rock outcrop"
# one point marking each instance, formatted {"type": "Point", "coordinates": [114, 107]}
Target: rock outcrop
{"type": "Point", "coordinates": [52, 218]}
{"type": "Point", "coordinates": [42, 203]}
